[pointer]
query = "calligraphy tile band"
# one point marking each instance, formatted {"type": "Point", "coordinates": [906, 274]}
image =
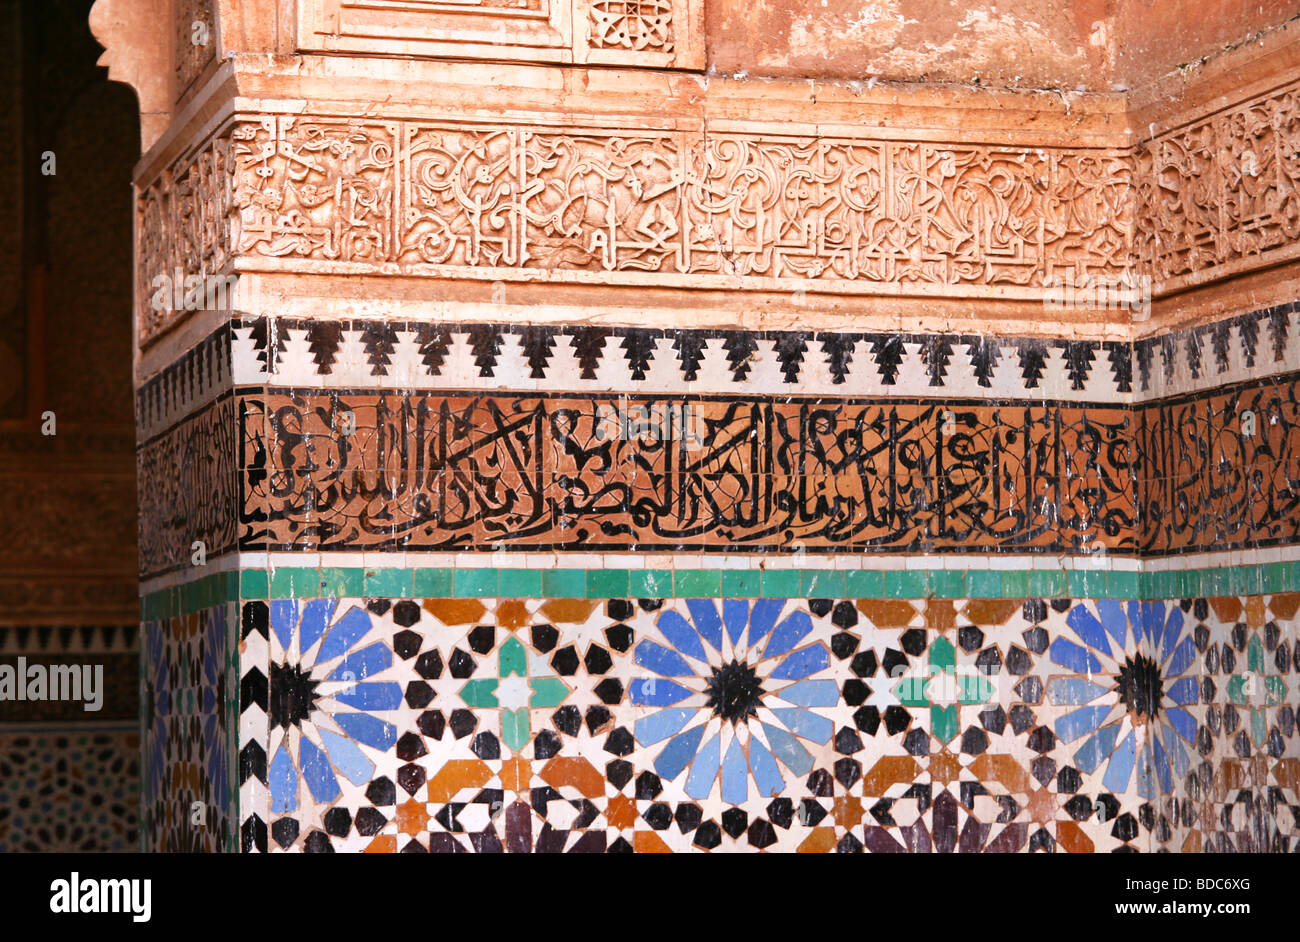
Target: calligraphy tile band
{"type": "Point", "coordinates": [615, 456]}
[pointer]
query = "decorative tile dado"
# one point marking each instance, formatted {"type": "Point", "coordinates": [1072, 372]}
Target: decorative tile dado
{"type": "Point", "coordinates": [355, 352]}
{"type": "Point", "coordinates": [188, 722]}
{"type": "Point", "coordinates": [352, 435]}
{"type": "Point", "coordinates": [1250, 346]}
{"type": "Point", "coordinates": [69, 790]}
{"type": "Point", "coordinates": [483, 581]}
{"type": "Point", "coordinates": [67, 639]}
{"type": "Point", "coordinates": [823, 724]}
{"type": "Point", "coordinates": [386, 470]}
{"type": "Point", "coordinates": [197, 377]}
{"type": "Point", "coordinates": [189, 489]}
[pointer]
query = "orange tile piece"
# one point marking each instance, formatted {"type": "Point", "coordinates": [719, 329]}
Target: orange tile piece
{"type": "Point", "coordinates": [889, 771]}
{"type": "Point", "coordinates": [412, 817]}
{"type": "Point", "coordinates": [455, 611]}
{"type": "Point", "coordinates": [1285, 606]}
{"type": "Point", "coordinates": [988, 613]}
{"type": "Point", "coordinates": [1193, 843]}
{"type": "Point", "coordinates": [648, 842]}
{"type": "Point", "coordinates": [621, 812]}
{"type": "Point", "coordinates": [1232, 775]}
{"type": "Point", "coordinates": [1070, 837]}
{"type": "Point", "coordinates": [1256, 613]}
{"type": "Point", "coordinates": [383, 844]}
{"type": "Point", "coordinates": [457, 774]}
{"type": "Point", "coordinates": [888, 613]}
{"type": "Point", "coordinates": [516, 773]}
{"type": "Point", "coordinates": [820, 841]}
{"type": "Point", "coordinates": [576, 772]}
{"type": "Point", "coordinates": [1259, 766]}
{"type": "Point", "coordinates": [847, 811]}
{"type": "Point", "coordinates": [569, 611]}
{"type": "Point", "coordinates": [1004, 769]}
{"type": "Point", "coordinates": [512, 614]}
{"type": "Point", "coordinates": [940, 615]}
{"type": "Point", "coordinates": [1226, 607]}
{"type": "Point", "coordinates": [944, 767]}
{"type": "Point", "coordinates": [1286, 772]}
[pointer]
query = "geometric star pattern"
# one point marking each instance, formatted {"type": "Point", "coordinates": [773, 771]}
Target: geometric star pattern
{"type": "Point", "coordinates": [810, 725]}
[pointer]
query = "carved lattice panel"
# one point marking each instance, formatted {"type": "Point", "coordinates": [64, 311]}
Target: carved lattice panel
{"type": "Point", "coordinates": [654, 33]}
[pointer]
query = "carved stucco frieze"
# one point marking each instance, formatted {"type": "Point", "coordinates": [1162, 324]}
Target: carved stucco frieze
{"type": "Point", "coordinates": [741, 210]}
{"type": "Point", "coordinates": [690, 209]}
{"type": "Point", "coordinates": [1220, 192]}
{"type": "Point", "coordinates": [682, 200]}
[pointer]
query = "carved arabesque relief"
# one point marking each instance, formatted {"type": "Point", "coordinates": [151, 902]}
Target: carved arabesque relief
{"type": "Point", "coordinates": [182, 229]}
{"type": "Point", "coordinates": [751, 210]}
{"type": "Point", "coordinates": [1219, 191]}
{"type": "Point", "coordinates": [632, 24]}
{"type": "Point", "coordinates": [605, 203]}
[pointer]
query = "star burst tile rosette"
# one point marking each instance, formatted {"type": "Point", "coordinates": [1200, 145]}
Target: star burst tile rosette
{"type": "Point", "coordinates": [1132, 681]}
{"type": "Point", "coordinates": [329, 694]}
{"type": "Point", "coordinates": [736, 691]}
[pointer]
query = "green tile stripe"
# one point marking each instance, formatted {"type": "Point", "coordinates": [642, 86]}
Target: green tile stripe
{"type": "Point", "coordinates": [485, 582]}
{"type": "Point", "coordinates": [188, 597]}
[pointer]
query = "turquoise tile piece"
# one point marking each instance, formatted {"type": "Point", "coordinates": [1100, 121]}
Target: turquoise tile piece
{"type": "Point", "coordinates": [741, 583]}
{"type": "Point", "coordinates": [697, 583]}
{"type": "Point", "coordinates": [607, 584]}
{"type": "Point", "coordinates": [519, 583]}
{"type": "Point", "coordinates": [432, 583]}
{"type": "Point", "coordinates": [984, 584]}
{"type": "Point", "coordinates": [780, 583]}
{"type": "Point", "coordinates": [864, 584]}
{"type": "Point", "coordinates": [650, 583]}
{"type": "Point", "coordinates": [388, 583]}
{"type": "Point", "coordinates": [475, 583]}
{"type": "Point", "coordinates": [564, 583]}
{"type": "Point", "coordinates": [822, 583]}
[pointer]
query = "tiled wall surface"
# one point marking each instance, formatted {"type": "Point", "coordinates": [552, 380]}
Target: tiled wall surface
{"type": "Point", "coordinates": [69, 777]}
{"type": "Point", "coordinates": [888, 592]}
{"type": "Point", "coordinates": [188, 707]}
{"type": "Point", "coordinates": [70, 789]}
{"type": "Point", "coordinates": [814, 724]}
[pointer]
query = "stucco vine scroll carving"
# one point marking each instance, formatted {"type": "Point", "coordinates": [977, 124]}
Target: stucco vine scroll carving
{"type": "Point", "coordinates": [606, 205]}
{"type": "Point", "coordinates": [732, 209]}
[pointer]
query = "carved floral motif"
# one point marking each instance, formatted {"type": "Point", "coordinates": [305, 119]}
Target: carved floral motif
{"type": "Point", "coordinates": [703, 210]}
{"type": "Point", "coordinates": [632, 24]}
{"type": "Point", "coordinates": [611, 203]}
{"type": "Point", "coordinates": [1220, 190]}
